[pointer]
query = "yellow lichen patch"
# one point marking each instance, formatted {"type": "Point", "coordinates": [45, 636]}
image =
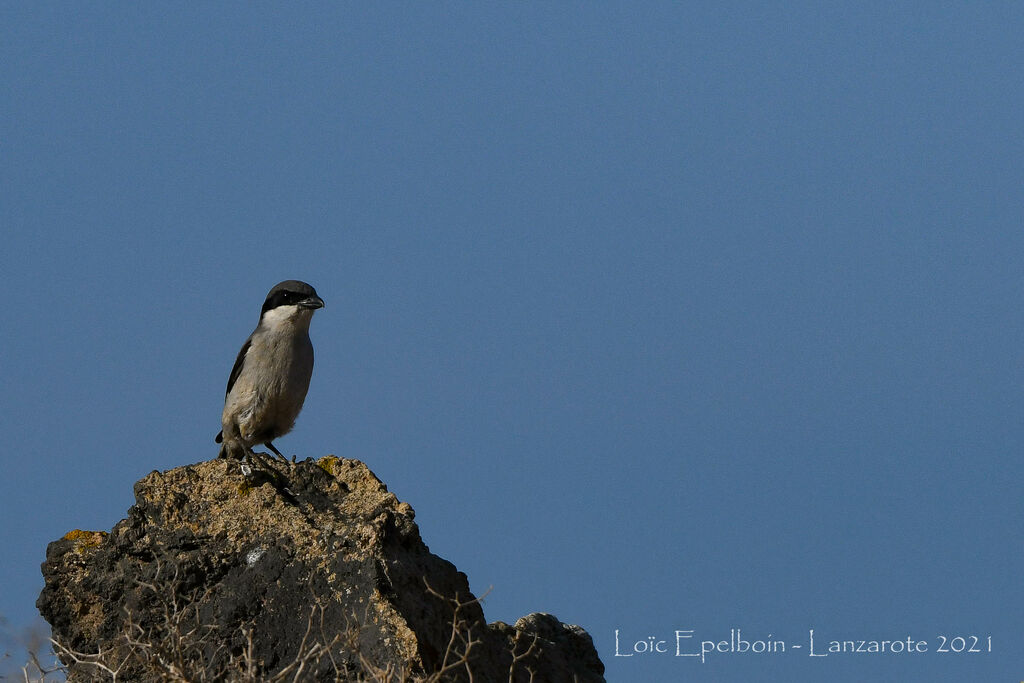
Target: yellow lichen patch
{"type": "Point", "coordinates": [328, 463]}
{"type": "Point", "coordinates": [85, 539]}
{"type": "Point", "coordinates": [244, 489]}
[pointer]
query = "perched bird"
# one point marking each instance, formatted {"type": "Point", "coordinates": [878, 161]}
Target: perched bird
{"type": "Point", "coordinates": [271, 375]}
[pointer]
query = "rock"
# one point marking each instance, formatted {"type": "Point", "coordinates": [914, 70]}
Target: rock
{"type": "Point", "coordinates": [306, 571]}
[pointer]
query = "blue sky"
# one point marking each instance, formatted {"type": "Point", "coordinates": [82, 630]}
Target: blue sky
{"type": "Point", "coordinates": [661, 316]}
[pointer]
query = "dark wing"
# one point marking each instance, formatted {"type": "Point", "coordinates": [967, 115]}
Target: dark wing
{"type": "Point", "coordinates": [237, 370]}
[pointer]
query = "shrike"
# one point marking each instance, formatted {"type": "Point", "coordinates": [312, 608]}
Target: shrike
{"type": "Point", "coordinates": [271, 375]}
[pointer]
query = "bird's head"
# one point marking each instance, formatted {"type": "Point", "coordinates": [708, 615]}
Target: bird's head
{"type": "Point", "coordinates": [290, 300]}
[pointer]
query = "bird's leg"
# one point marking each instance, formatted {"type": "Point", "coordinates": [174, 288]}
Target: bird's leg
{"type": "Point", "coordinates": [257, 459]}
{"type": "Point", "coordinates": [276, 452]}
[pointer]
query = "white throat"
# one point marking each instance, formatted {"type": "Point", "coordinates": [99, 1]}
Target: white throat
{"type": "Point", "coordinates": [287, 318]}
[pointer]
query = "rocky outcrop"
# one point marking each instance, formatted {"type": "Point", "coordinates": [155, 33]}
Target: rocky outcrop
{"type": "Point", "coordinates": [286, 571]}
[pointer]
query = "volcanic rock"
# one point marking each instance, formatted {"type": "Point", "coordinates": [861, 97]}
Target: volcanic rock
{"type": "Point", "coordinates": [307, 571]}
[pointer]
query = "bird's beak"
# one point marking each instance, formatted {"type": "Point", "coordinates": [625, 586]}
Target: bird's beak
{"type": "Point", "coordinates": [312, 302]}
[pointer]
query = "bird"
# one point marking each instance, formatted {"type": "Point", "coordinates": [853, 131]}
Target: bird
{"type": "Point", "coordinates": [270, 378]}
